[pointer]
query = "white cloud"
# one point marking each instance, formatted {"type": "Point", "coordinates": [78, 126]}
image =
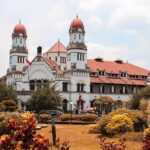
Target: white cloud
{"type": "Point", "coordinates": [107, 52]}
{"type": "Point", "coordinates": [48, 20]}
{"type": "Point", "coordinates": [114, 52]}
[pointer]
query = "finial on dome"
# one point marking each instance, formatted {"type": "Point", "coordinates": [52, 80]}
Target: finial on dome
{"type": "Point", "coordinates": [77, 15]}
{"type": "Point", "coordinates": [19, 21]}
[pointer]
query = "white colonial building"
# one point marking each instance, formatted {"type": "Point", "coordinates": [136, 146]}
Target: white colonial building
{"type": "Point", "coordinates": [80, 80]}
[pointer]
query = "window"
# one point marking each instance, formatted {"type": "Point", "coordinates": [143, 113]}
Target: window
{"type": "Point", "coordinates": [73, 65]}
{"type": "Point", "coordinates": [103, 89]}
{"type": "Point", "coordinates": [62, 59]}
{"type": "Point", "coordinates": [80, 56]}
{"type": "Point", "coordinates": [79, 36]}
{"type": "Point", "coordinates": [91, 88]}
{"type": "Point", "coordinates": [68, 57]}
{"type": "Point", "coordinates": [80, 87]}
{"type": "Point", "coordinates": [123, 74]}
{"type": "Point", "coordinates": [32, 85]}
{"type": "Point", "coordinates": [74, 36]}
{"type": "Point", "coordinates": [65, 86]}
{"type": "Point", "coordinates": [102, 73]}
{"type": "Point", "coordinates": [56, 58]}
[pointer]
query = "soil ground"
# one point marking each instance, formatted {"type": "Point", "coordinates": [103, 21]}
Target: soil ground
{"type": "Point", "coordinates": [79, 137]}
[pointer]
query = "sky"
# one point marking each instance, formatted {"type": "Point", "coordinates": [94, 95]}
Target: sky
{"type": "Point", "coordinates": [115, 29]}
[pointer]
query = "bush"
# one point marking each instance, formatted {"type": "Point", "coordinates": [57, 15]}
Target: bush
{"type": "Point", "coordinates": [44, 118]}
{"type": "Point", "coordinates": [23, 135]}
{"type": "Point", "coordinates": [131, 136]}
{"type": "Point", "coordinates": [4, 117]}
{"type": "Point", "coordinates": [88, 117]}
{"type": "Point", "coordinates": [84, 117]}
{"type": "Point", "coordinates": [106, 145]}
{"type": "Point", "coordinates": [119, 124]}
{"type": "Point", "coordinates": [136, 116]}
{"type": "Point", "coordinates": [9, 105]}
{"type": "Point", "coordinates": [147, 132]}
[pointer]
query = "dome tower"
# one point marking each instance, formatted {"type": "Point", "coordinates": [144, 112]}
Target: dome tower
{"type": "Point", "coordinates": [18, 52]}
{"type": "Point", "coordinates": [76, 50]}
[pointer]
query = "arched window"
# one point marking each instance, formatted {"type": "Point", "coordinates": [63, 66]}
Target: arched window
{"type": "Point", "coordinates": [64, 105]}
{"type": "Point", "coordinates": [79, 36]}
{"type": "Point", "coordinates": [21, 40]}
{"type": "Point", "coordinates": [45, 82]}
{"type": "Point", "coordinates": [78, 87]}
{"type": "Point", "coordinates": [74, 36]}
{"type": "Point", "coordinates": [32, 85]}
{"type": "Point", "coordinates": [82, 87]}
{"type": "Point", "coordinates": [39, 83]}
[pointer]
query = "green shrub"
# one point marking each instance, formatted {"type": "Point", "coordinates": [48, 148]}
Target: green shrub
{"type": "Point", "coordinates": [84, 117]}
{"type": "Point", "coordinates": [67, 117]}
{"type": "Point", "coordinates": [137, 117]}
{"type": "Point", "coordinates": [88, 117]}
{"type": "Point", "coordinates": [44, 118]}
{"type": "Point", "coordinates": [119, 124]}
{"type": "Point", "coordinates": [4, 117]}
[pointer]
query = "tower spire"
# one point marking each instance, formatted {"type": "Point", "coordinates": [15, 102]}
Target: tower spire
{"type": "Point", "coordinates": [19, 21]}
{"type": "Point", "coordinates": [77, 15]}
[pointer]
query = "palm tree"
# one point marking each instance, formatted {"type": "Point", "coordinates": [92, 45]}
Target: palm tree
{"type": "Point", "coordinates": [45, 98]}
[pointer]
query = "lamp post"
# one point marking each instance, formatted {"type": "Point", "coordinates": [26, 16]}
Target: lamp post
{"type": "Point", "coordinates": [71, 110]}
{"type": "Point", "coordinates": [53, 130]}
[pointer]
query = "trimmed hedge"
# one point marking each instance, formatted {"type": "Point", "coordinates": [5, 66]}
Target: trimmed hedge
{"type": "Point", "coordinates": [83, 117]}
{"type": "Point", "coordinates": [44, 118]}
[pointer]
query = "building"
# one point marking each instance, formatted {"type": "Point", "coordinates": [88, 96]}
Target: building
{"type": "Point", "coordinates": [80, 80]}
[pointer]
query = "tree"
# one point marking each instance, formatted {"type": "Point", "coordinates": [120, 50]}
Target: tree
{"type": "Point", "coordinates": [143, 93]}
{"type": "Point", "coordinates": [8, 97]}
{"type": "Point", "coordinates": [45, 98]}
{"type": "Point", "coordinates": [7, 92]}
{"type": "Point", "coordinates": [104, 103]}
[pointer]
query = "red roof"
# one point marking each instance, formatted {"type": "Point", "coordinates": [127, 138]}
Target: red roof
{"type": "Point", "coordinates": [76, 23]}
{"type": "Point", "coordinates": [57, 48]}
{"type": "Point", "coordinates": [124, 81]}
{"type": "Point", "coordinates": [114, 67]}
{"type": "Point", "coordinates": [53, 65]}
{"type": "Point", "coordinates": [19, 28]}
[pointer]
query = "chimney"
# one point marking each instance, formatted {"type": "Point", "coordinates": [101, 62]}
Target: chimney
{"type": "Point", "coordinates": [39, 51]}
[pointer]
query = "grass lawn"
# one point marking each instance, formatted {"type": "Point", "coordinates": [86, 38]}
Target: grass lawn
{"type": "Point", "coordinates": [79, 137]}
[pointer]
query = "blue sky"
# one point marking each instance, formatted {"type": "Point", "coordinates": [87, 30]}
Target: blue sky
{"type": "Point", "coordinates": [115, 29]}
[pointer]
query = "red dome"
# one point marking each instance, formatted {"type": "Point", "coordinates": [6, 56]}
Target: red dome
{"type": "Point", "coordinates": [77, 23]}
{"type": "Point", "coordinates": [20, 28]}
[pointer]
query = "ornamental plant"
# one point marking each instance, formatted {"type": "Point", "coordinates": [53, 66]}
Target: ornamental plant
{"type": "Point", "coordinates": [146, 140]}
{"type": "Point", "coordinates": [104, 145]}
{"type": "Point", "coordinates": [119, 124]}
{"type": "Point", "coordinates": [136, 116]}
{"type": "Point", "coordinates": [23, 135]}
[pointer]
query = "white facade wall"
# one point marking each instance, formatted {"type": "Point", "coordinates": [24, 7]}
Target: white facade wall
{"type": "Point", "coordinates": [14, 61]}
{"type": "Point", "coordinates": [72, 58]}
{"type": "Point", "coordinates": [52, 56]}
